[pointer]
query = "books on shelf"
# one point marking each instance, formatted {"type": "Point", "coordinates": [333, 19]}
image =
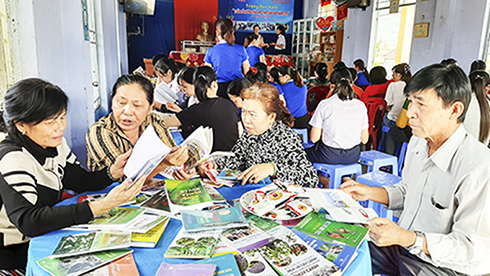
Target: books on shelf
{"type": "Point", "coordinates": [290, 255]}
{"type": "Point", "coordinates": [341, 206]}
{"type": "Point", "coordinates": [151, 237]}
{"type": "Point", "coordinates": [197, 245]}
{"type": "Point", "coordinates": [194, 221]}
{"type": "Point", "coordinates": [91, 242]}
{"type": "Point", "coordinates": [77, 265]}
{"type": "Point", "coordinates": [225, 265]}
{"type": "Point", "coordinates": [322, 228]}
{"type": "Point", "coordinates": [123, 266]}
{"type": "Point", "coordinates": [187, 195]}
{"type": "Point", "coordinates": [340, 254]}
{"type": "Point", "coordinates": [186, 270]}
{"type": "Point", "coordinates": [148, 152]}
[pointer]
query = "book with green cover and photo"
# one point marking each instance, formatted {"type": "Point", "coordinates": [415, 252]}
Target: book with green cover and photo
{"type": "Point", "coordinates": [151, 237]}
{"type": "Point", "coordinates": [91, 242]}
{"type": "Point", "coordinates": [320, 227]}
{"type": "Point", "coordinates": [116, 219]}
{"type": "Point", "coordinates": [77, 265]}
{"type": "Point", "coordinates": [194, 221]}
{"type": "Point", "coordinates": [197, 245]}
{"type": "Point", "coordinates": [290, 255]}
{"type": "Point", "coordinates": [187, 195]}
{"type": "Point", "coordinates": [158, 203]}
{"type": "Point", "coordinates": [340, 254]}
{"type": "Point", "coordinates": [124, 266]}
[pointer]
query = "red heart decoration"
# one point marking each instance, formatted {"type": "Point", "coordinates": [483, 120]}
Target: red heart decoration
{"type": "Point", "coordinates": [324, 23]}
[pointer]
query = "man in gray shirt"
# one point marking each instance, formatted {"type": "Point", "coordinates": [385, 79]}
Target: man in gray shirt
{"type": "Point", "coordinates": [444, 228]}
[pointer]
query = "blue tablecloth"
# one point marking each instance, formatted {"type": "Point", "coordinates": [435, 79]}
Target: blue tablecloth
{"type": "Point", "coordinates": [148, 260]}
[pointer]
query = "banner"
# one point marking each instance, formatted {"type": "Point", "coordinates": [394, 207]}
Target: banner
{"type": "Point", "coordinates": [268, 14]}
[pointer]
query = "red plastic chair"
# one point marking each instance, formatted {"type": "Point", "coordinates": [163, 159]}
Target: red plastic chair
{"type": "Point", "coordinates": [376, 110]}
{"type": "Point", "coordinates": [315, 95]}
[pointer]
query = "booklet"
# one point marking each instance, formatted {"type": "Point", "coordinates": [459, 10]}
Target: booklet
{"type": "Point", "coordinates": [341, 206]}
{"type": "Point", "coordinates": [123, 266]}
{"type": "Point", "coordinates": [340, 255]}
{"type": "Point", "coordinates": [319, 226]}
{"type": "Point", "coordinates": [77, 265]}
{"type": "Point", "coordinates": [187, 195]}
{"type": "Point", "coordinates": [194, 221]}
{"type": "Point", "coordinates": [116, 219]}
{"type": "Point", "coordinates": [147, 154]}
{"type": "Point", "coordinates": [150, 238]}
{"type": "Point", "coordinates": [225, 265]}
{"type": "Point", "coordinates": [213, 193]}
{"type": "Point", "coordinates": [91, 242]}
{"type": "Point", "coordinates": [197, 245]}
{"type": "Point", "coordinates": [254, 264]}
{"type": "Point", "coordinates": [158, 203]}
{"type": "Point", "coordinates": [186, 270]}
{"type": "Point", "coordinates": [245, 238]}
{"type": "Point", "coordinates": [146, 222]}
{"type": "Point", "coordinates": [290, 255]}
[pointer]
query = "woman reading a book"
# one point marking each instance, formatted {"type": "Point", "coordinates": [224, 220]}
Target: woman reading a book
{"type": "Point", "coordinates": [36, 164]}
{"type": "Point", "coordinates": [269, 147]}
{"type": "Point", "coordinates": [118, 132]}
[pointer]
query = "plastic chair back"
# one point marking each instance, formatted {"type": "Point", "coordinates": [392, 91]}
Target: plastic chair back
{"type": "Point", "coordinates": [315, 95]}
{"type": "Point", "coordinates": [376, 110]}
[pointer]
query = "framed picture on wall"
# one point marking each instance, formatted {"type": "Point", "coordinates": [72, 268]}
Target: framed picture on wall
{"type": "Point", "coordinates": [421, 29]}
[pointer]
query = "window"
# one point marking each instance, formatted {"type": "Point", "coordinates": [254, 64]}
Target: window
{"type": "Point", "coordinates": [392, 34]}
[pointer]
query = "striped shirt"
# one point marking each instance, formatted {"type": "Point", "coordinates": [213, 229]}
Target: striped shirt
{"type": "Point", "coordinates": [105, 141]}
{"type": "Point", "coordinates": [32, 181]}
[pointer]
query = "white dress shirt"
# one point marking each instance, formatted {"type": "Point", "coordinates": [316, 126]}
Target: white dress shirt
{"type": "Point", "coordinates": [341, 121]}
{"type": "Point", "coordinates": [447, 197]}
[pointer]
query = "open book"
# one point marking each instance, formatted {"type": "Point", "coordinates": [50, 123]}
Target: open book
{"type": "Point", "coordinates": [341, 206]}
{"type": "Point", "coordinates": [147, 154]}
{"type": "Point", "coordinates": [199, 145]}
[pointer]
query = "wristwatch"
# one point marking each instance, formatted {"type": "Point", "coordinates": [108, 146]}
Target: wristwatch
{"type": "Point", "coordinates": [417, 247]}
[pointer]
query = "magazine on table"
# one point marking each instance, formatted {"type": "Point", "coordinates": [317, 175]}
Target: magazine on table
{"type": "Point", "coordinates": [116, 219]}
{"type": "Point", "coordinates": [245, 238]}
{"type": "Point", "coordinates": [151, 237]}
{"type": "Point", "coordinates": [225, 265]}
{"type": "Point", "coordinates": [78, 265]}
{"type": "Point", "coordinates": [186, 269]}
{"type": "Point", "coordinates": [123, 266]}
{"type": "Point", "coordinates": [196, 245]}
{"type": "Point", "coordinates": [194, 221]}
{"type": "Point", "coordinates": [91, 242]}
{"type": "Point", "coordinates": [290, 255]}
{"type": "Point", "coordinates": [147, 154]}
{"type": "Point", "coordinates": [254, 264]}
{"type": "Point", "coordinates": [158, 203]}
{"type": "Point", "coordinates": [187, 195]}
{"type": "Point", "coordinates": [340, 255]}
{"type": "Point", "coordinates": [146, 222]}
{"type": "Point", "coordinates": [341, 206]}
{"type": "Point", "coordinates": [319, 226]}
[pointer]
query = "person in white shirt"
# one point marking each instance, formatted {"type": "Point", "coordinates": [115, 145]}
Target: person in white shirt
{"type": "Point", "coordinates": [280, 44]}
{"type": "Point", "coordinates": [444, 194]}
{"type": "Point", "coordinates": [166, 87]}
{"type": "Point", "coordinates": [339, 124]}
{"type": "Point", "coordinates": [394, 101]}
{"type": "Point", "coordinates": [477, 121]}
{"type": "Point", "coordinates": [185, 78]}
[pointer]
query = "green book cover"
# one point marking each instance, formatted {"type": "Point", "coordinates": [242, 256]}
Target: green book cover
{"type": "Point", "coordinates": [187, 195]}
{"type": "Point", "coordinates": [91, 242]}
{"type": "Point", "coordinates": [317, 225]}
{"type": "Point", "coordinates": [262, 223]}
{"type": "Point", "coordinates": [197, 245]}
{"type": "Point", "coordinates": [77, 265]}
{"type": "Point", "coordinates": [117, 216]}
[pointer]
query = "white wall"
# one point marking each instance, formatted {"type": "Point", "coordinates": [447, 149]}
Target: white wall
{"type": "Point", "coordinates": [455, 31]}
{"type": "Point", "coordinates": [357, 34]}
{"type": "Point", "coordinates": [53, 48]}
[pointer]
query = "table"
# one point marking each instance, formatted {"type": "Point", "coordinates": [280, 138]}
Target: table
{"type": "Point", "coordinates": [148, 260]}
